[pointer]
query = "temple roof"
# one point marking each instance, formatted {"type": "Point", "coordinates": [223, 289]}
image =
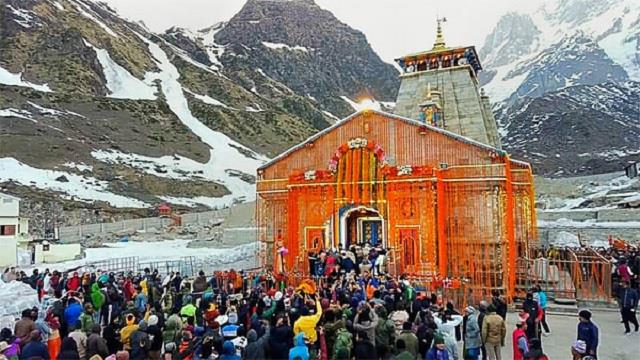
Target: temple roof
{"type": "Point", "coordinates": [450, 134]}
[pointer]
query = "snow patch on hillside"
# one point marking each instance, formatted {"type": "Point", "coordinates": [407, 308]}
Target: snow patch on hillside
{"type": "Point", "coordinates": [280, 46]}
{"type": "Point", "coordinates": [120, 82]}
{"type": "Point", "coordinates": [207, 99]}
{"type": "Point", "coordinates": [224, 153]}
{"type": "Point", "coordinates": [76, 187]}
{"type": "Point", "coordinates": [20, 114]}
{"type": "Point", "coordinates": [84, 10]}
{"type": "Point", "coordinates": [8, 78]}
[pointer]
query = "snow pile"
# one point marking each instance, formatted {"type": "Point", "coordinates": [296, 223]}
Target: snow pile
{"type": "Point", "coordinates": [595, 191]}
{"type": "Point", "coordinates": [76, 187]}
{"type": "Point", "coordinates": [57, 5]}
{"type": "Point", "coordinates": [257, 108]}
{"type": "Point", "coordinates": [16, 296]}
{"type": "Point", "coordinates": [565, 239]}
{"type": "Point", "coordinates": [8, 78]}
{"type": "Point", "coordinates": [567, 223]}
{"type": "Point", "coordinates": [81, 8]}
{"type": "Point", "coordinates": [280, 46]}
{"type": "Point", "coordinates": [120, 82]}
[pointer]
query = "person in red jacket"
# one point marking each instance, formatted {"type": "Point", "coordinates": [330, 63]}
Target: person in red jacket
{"type": "Point", "coordinates": [73, 283]}
{"type": "Point", "coordinates": [519, 337]}
{"type": "Point", "coordinates": [128, 289]}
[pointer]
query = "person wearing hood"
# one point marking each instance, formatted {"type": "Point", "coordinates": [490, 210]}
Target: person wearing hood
{"type": "Point", "coordinates": [472, 334]}
{"type": "Point", "coordinates": [34, 348]}
{"type": "Point", "coordinates": [281, 338]}
{"type": "Point", "coordinates": [403, 353]}
{"type": "Point", "coordinates": [96, 345]}
{"type": "Point", "coordinates": [125, 333]}
{"type": "Point", "coordinates": [385, 332]}
{"type": "Point", "coordinates": [188, 310]}
{"type": "Point", "coordinates": [97, 298]}
{"type": "Point", "coordinates": [140, 343]}
{"type": "Point", "coordinates": [333, 322]}
{"type": "Point", "coordinates": [73, 283]}
{"type": "Point", "coordinates": [69, 350]}
{"type": "Point", "coordinates": [300, 351]}
{"type": "Point", "coordinates": [172, 330]}
{"type": "Point", "coordinates": [87, 318]}
{"type": "Point", "coordinates": [72, 312]}
{"type": "Point", "coordinates": [256, 347]}
{"type": "Point", "coordinates": [229, 351]}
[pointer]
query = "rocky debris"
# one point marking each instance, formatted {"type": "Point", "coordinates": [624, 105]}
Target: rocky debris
{"type": "Point", "coordinates": [62, 178]}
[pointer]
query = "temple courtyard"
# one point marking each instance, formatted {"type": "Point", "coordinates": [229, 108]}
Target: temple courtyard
{"type": "Point", "coordinates": [614, 345]}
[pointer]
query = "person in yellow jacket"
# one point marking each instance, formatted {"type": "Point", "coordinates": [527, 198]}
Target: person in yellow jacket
{"type": "Point", "coordinates": [125, 333]}
{"type": "Point", "coordinates": [307, 324]}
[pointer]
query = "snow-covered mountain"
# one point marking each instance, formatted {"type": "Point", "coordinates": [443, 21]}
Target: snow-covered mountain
{"type": "Point", "coordinates": [561, 67]}
{"type": "Point", "coordinates": [99, 112]}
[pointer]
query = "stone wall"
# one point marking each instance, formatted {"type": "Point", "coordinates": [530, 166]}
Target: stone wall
{"type": "Point", "coordinates": [463, 108]}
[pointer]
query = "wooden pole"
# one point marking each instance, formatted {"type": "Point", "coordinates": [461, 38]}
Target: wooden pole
{"type": "Point", "coordinates": [442, 218]}
{"type": "Point", "coordinates": [511, 234]}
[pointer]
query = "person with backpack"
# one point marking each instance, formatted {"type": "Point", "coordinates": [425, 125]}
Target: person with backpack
{"type": "Point", "coordinates": [588, 332]}
{"type": "Point", "coordinates": [140, 343]}
{"type": "Point", "coordinates": [403, 353]}
{"type": "Point", "coordinates": [409, 339]}
{"type": "Point", "coordinates": [343, 344]}
{"type": "Point", "coordinates": [494, 331]}
{"type": "Point", "coordinates": [385, 332]}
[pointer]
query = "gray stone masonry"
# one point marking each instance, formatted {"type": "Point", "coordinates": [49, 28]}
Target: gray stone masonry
{"type": "Point", "coordinates": [465, 111]}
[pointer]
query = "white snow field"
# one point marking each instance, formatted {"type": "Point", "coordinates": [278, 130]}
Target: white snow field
{"type": "Point", "coordinates": [158, 251]}
{"type": "Point", "coordinates": [77, 187]}
{"type": "Point", "coordinates": [120, 82]}
{"type": "Point", "coordinates": [280, 46]}
{"type": "Point", "coordinates": [9, 78]}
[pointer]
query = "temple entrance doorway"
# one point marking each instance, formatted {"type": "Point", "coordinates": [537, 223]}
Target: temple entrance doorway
{"type": "Point", "coordinates": [360, 226]}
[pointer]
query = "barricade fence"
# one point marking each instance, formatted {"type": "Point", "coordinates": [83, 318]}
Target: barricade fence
{"type": "Point", "coordinates": [75, 233]}
{"type": "Point", "coordinates": [581, 275]}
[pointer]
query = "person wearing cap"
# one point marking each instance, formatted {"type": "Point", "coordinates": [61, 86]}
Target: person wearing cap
{"type": "Point", "coordinates": [439, 350]}
{"type": "Point", "coordinates": [588, 332]}
{"type": "Point", "coordinates": [155, 336]}
{"type": "Point", "coordinates": [494, 331]}
{"type": "Point", "coordinates": [578, 349]}
{"type": "Point", "coordinates": [519, 337]}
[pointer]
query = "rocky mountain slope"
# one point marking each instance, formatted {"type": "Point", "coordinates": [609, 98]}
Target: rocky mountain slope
{"type": "Point", "coordinates": [99, 112]}
{"type": "Point", "coordinates": [564, 80]}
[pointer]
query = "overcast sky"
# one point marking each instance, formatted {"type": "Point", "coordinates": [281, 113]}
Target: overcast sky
{"type": "Point", "coordinates": [393, 27]}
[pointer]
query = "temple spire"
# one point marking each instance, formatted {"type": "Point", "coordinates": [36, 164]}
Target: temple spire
{"type": "Point", "coordinates": [439, 44]}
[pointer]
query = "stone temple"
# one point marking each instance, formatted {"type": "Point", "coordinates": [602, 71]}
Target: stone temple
{"type": "Point", "coordinates": [440, 86]}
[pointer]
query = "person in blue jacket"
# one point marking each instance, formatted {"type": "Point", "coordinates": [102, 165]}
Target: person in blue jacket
{"type": "Point", "coordinates": [73, 311]}
{"type": "Point", "coordinates": [300, 350]}
{"type": "Point", "coordinates": [588, 332]}
{"type": "Point", "coordinates": [229, 351]}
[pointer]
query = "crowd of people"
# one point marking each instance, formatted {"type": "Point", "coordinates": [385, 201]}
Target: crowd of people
{"type": "Point", "coordinates": [258, 315]}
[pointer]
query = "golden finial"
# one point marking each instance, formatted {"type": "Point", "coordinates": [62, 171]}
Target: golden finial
{"type": "Point", "coordinates": [428, 91]}
{"type": "Point", "coordinates": [439, 44]}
